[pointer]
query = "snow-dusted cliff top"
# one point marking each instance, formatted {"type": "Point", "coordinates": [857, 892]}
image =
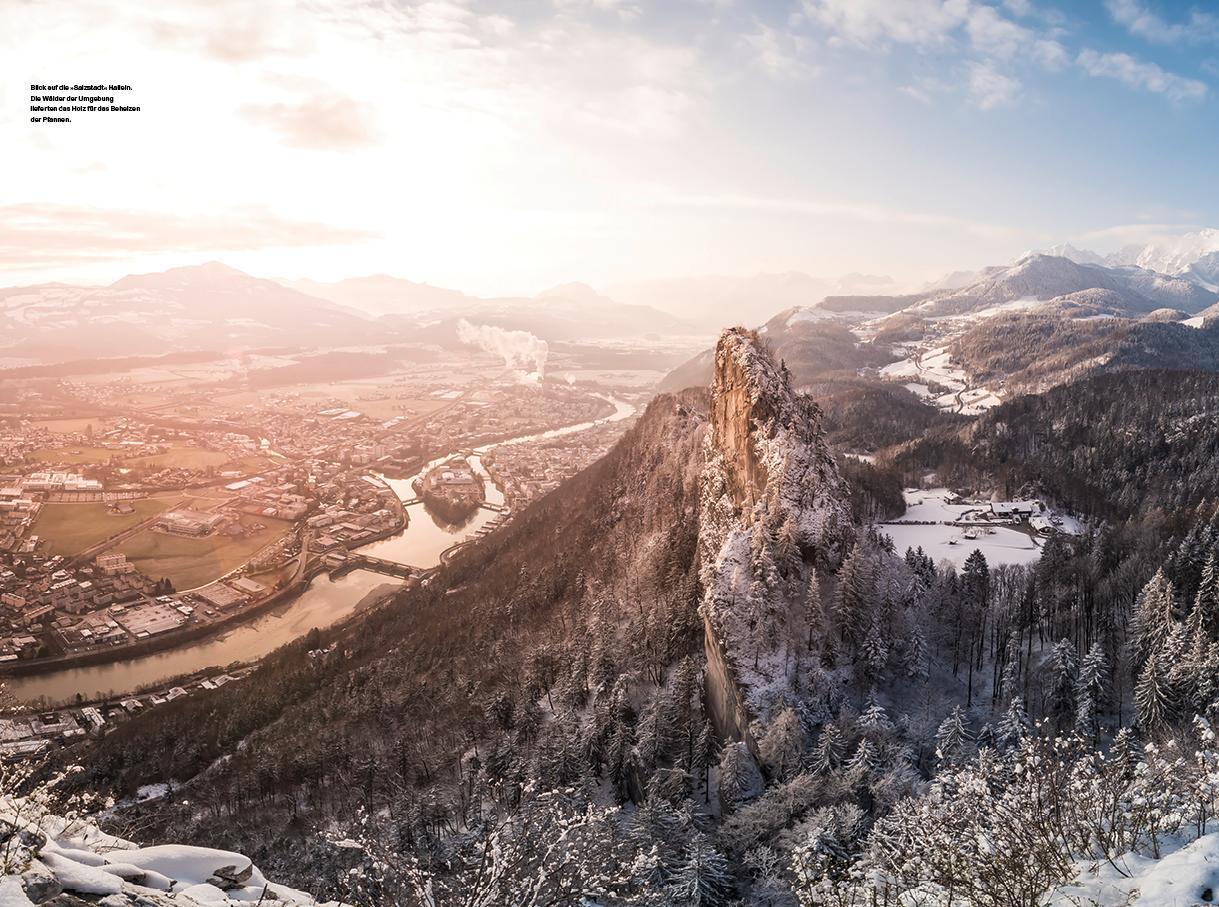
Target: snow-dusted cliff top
{"type": "Point", "coordinates": [767, 445]}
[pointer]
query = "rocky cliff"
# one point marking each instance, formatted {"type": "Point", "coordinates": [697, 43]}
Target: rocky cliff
{"type": "Point", "coordinates": [769, 483]}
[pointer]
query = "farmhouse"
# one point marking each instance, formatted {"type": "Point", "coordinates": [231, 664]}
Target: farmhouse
{"type": "Point", "coordinates": [1016, 509]}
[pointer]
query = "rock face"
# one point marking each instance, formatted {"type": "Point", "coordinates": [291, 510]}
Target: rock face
{"type": "Point", "coordinates": [768, 472]}
{"type": "Point", "coordinates": [737, 405]}
{"type": "Point", "coordinates": [768, 458]}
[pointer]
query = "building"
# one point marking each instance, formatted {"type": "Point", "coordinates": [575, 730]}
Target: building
{"type": "Point", "coordinates": [114, 564]}
{"type": "Point", "coordinates": [218, 595]}
{"type": "Point", "coordinates": [192, 523]}
{"type": "Point", "coordinates": [1015, 509]}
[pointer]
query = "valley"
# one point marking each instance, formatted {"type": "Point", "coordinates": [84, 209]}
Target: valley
{"type": "Point", "coordinates": [709, 614]}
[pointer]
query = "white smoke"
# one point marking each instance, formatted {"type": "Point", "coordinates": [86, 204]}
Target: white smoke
{"type": "Point", "coordinates": [520, 350]}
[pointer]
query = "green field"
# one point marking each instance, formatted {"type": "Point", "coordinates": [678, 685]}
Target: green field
{"type": "Point", "coordinates": [190, 562]}
{"type": "Point", "coordinates": [68, 529]}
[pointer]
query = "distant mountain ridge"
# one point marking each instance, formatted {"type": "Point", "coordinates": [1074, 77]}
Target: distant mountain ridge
{"type": "Point", "coordinates": [1193, 256]}
{"type": "Point", "coordinates": [208, 306]}
{"type": "Point", "coordinates": [817, 339]}
{"type": "Point", "coordinates": [570, 311]}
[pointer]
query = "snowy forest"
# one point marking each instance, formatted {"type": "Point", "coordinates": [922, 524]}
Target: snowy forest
{"type": "Point", "coordinates": [719, 685]}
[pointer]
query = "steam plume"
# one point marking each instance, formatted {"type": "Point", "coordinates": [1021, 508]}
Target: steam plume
{"type": "Point", "coordinates": [520, 350]}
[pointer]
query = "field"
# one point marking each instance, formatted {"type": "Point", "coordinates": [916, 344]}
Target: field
{"type": "Point", "coordinates": [184, 457]}
{"type": "Point", "coordinates": [70, 528]}
{"type": "Point", "coordinates": [74, 455]}
{"type": "Point", "coordinates": [190, 562]}
{"type": "Point", "coordinates": [68, 426]}
{"type": "Point", "coordinates": [180, 455]}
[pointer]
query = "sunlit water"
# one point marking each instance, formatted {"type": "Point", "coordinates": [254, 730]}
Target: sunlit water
{"type": "Point", "coordinates": [324, 603]}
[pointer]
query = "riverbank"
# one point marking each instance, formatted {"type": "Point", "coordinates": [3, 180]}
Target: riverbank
{"type": "Point", "coordinates": [327, 602]}
{"type": "Point", "coordinates": [322, 601]}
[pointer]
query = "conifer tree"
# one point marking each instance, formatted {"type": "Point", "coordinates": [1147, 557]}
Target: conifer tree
{"type": "Point", "coordinates": [814, 611]}
{"type": "Point", "coordinates": [952, 736]}
{"type": "Point", "coordinates": [782, 746]}
{"type": "Point", "coordinates": [702, 878]}
{"type": "Point", "coordinates": [1014, 725]}
{"type": "Point", "coordinates": [1152, 696]}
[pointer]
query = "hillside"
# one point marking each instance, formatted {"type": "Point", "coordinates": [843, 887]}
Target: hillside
{"type": "Point", "coordinates": [1031, 351]}
{"type": "Point", "coordinates": [690, 658]}
{"type": "Point", "coordinates": [505, 642]}
{"type": "Point", "coordinates": [571, 311]}
{"type": "Point", "coordinates": [1141, 443]}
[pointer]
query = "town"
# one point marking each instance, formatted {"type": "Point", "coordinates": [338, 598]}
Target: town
{"type": "Point", "coordinates": [134, 529]}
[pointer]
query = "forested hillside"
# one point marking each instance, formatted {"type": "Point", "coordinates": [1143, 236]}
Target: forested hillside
{"type": "Point", "coordinates": [697, 675]}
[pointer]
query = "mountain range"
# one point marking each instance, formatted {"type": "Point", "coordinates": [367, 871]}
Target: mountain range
{"type": "Point", "coordinates": [216, 307]}
{"type": "Point", "coordinates": [1194, 256]}
{"type": "Point", "coordinates": [1029, 324]}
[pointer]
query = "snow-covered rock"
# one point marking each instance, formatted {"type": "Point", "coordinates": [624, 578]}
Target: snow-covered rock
{"type": "Point", "coordinates": [768, 471]}
{"type": "Point", "coordinates": [44, 856]}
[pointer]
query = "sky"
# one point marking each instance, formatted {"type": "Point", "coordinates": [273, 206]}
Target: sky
{"type": "Point", "coordinates": [502, 147]}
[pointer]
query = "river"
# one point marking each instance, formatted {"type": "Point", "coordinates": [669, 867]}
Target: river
{"type": "Point", "coordinates": [324, 603]}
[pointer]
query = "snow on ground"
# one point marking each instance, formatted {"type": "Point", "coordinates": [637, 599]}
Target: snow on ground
{"type": "Point", "coordinates": [1195, 322]}
{"type": "Point", "coordinates": [43, 855]}
{"type": "Point", "coordinates": [1002, 545]}
{"type": "Point", "coordinates": [931, 506]}
{"type": "Point", "coordinates": [903, 368]}
{"type": "Point", "coordinates": [1002, 308]}
{"type": "Point", "coordinates": [937, 365]}
{"type": "Point", "coordinates": [977, 400]}
{"type": "Point", "coordinates": [807, 313]}
{"type": "Point", "coordinates": [1005, 546]}
{"type": "Point", "coordinates": [1186, 875]}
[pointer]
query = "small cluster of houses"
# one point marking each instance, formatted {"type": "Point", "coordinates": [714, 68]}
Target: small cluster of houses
{"type": "Point", "coordinates": [1034, 512]}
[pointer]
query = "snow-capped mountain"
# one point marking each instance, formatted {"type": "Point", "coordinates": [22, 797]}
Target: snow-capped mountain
{"type": "Point", "coordinates": [1180, 255]}
{"type": "Point", "coordinates": [1041, 276]}
{"type": "Point", "coordinates": [1193, 256]}
{"type": "Point", "coordinates": [1068, 251]}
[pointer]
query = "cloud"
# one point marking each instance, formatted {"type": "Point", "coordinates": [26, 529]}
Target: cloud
{"type": "Point", "coordinates": [324, 122]}
{"type": "Point", "coordinates": [1138, 234]}
{"type": "Point", "coordinates": [994, 35]}
{"type": "Point", "coordinates": [871, 23]}
{"type": "Point", "coordinates": [999, 46]}
{"type": "Point", "coordinates": [1140, 74]}
{"type": "Point", "coordinates": [866, 213]}
{"type": "Point", "coordinates": [42, 235]}
{"type": "Point", "coordinates": [229, 31]}
{"type": "Point", "coordinates": [1144, 22]}
{"type": "Point", "coordinates": [989, 88]}
{"type": "Point", "coordinates": [779, 53]}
